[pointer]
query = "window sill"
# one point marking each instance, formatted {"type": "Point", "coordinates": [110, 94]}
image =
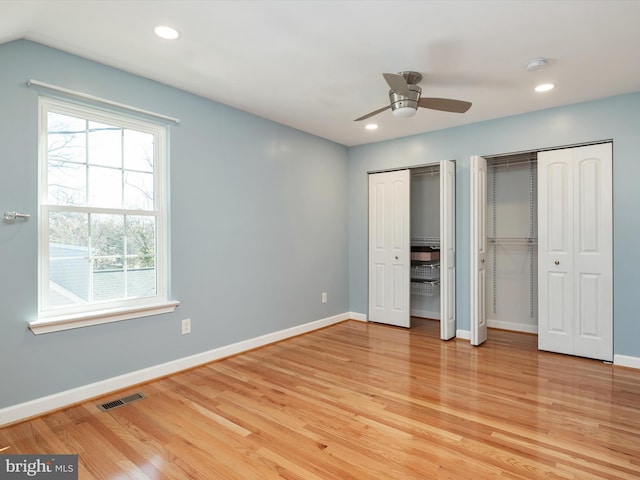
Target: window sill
{"type": "Point", "coordinates": [67, 322]}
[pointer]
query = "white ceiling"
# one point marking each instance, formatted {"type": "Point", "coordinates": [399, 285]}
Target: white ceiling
{"type": "Point", "coordinates": [317, 65]}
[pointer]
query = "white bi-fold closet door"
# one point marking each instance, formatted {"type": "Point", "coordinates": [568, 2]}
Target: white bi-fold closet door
{"type": "Point", "coordinates": [389, 247]}
{"type": "Point", "coordinates": [390, 274]}
{"type": "Point", "coordinates": [574, 254]}
{"type": "Point", "coordinates": [575, 237]}
{"type": "Point", "coordinates": [478, 254]}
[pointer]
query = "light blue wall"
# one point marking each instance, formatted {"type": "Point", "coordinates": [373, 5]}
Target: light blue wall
{"type": "Point", "coordinates": [263, 219]}
{"type": "Point", "coordinates": [258, 230]}
{"type": "Point", "coordinates": [616, 118]}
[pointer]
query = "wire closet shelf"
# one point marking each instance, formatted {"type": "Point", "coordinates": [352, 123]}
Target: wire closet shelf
{"type": "Point", "coordinates": [425, 274]}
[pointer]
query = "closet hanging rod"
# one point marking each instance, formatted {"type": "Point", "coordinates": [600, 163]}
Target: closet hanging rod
{"type": "Point", "coordinates": [93, 98]}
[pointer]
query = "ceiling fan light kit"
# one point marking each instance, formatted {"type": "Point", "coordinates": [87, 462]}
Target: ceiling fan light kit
{"type": "Point", "coordinates": [404, 106]}
{"type": "Point", "coordinates": [404, 97]}
{"type": "Point", "coordinates": [404, 112]}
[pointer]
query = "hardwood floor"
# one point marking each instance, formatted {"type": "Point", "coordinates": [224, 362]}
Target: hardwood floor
{"type": "Point", "coordinates": [362, 401]}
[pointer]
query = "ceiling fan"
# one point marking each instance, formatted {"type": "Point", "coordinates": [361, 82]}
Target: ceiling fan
{"type": "Point", "coordinates": [405, 99]}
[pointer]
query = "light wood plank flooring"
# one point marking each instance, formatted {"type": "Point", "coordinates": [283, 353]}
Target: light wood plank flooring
{"type": "Point", "coordinates": [362, 401]}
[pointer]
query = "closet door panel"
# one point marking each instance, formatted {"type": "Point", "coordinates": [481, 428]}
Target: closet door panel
{"type": "Point", "coordinates": [588, 198]}
{"type": "Point", "coordinates": [555, 315]}
{"type": "Point", "coordinates": [377, 249]}
{"type": "Point", "coordinates": [593, 247]}
{"type": "Point", "coordinates": [587, 295]}
{"type": "Point", "coordinates": [555, 256]}
{"type": "Point", "coordinates": [399, 291]}
{"type": "Point", "coordinates": [478, 254]}
{"type": "Point", "coordinates": [379, 288]}
{"type": "Point", "coordinates": [447, 250]}
{"type": "Point", "coordinates": [389, 248]}
{"type": "Point", "coordinates": [398, 214]}
{"type": "Point", "coordinates": [377, 235]}
{"type": "Point", "coordinates": [558, 212]}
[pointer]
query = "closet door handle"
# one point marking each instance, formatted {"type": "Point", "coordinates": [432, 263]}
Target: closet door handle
{"type": "Point", "coordinates": [557, 262]}
{"type": "Point", "coordinates": [397, 257]}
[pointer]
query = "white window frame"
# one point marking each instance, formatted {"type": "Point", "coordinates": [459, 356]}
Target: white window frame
{"type": "Point", "coordinates": [55, 319]}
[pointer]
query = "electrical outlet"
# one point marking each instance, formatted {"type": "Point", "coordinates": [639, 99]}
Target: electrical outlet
{"type": "Point", "coordinates": [186, 326]}
{"type": "Point", "coordinates": [324, 297]}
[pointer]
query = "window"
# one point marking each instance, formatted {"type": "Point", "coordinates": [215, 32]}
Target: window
{"type": "Point", "coordinates": [102, 217]}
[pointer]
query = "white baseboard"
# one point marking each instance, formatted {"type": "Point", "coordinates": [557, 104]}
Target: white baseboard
{"type": "Point", "coordinates": [361, 317]}
{"type": "Point", "coordinates": [626, 361]}
{"type": "Point", "coordinates": [516, 327]}
{"type": "Point", "coordinates": [619, 360]}
{"type": "Point", "coordinates": [425, 314]}
{"type": "Point", "coordinates": [39, 406]}
{"type": "Point", "coordinates": [463, 334]}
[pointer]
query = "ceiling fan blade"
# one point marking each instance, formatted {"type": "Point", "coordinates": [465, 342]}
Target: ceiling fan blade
{"type": "Point", "coordinates": [445, 104]}
{"type": "Point", "coordinates": [364, 117]}
{"type": "Point", "coordinates": [397, 83]}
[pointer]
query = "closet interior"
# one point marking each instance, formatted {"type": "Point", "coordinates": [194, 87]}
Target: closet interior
{"type": "Point", "coordinates": [512, 285]}
{"type": "Point", "coordinates": [425, 242]}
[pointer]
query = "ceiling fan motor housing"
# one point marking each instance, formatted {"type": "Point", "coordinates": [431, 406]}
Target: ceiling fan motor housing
{"type": "Point", "coordinates": [404, 97]}
{"type": "Point", "coordinates": [400, 104]}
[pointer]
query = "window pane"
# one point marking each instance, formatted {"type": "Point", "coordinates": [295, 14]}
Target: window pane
{"type": "Point", "coordinates": [105, 187]}
{"type": "Point", "coordinates": [66, 138]}
{"type": "Point", "coordinates": [138, 190]}
{"type": "Point", "coordinates": [107, 238]}
{"type": "Point", "coordinates": [138, 151]}
{"type": "Point", "coordinates": [107, 246]}
{"type": "Point", "coordinates": [67, 183]}
{"type": "Point", "coordinates": [68, 279]}
{"type": "Point", "coordinates": [141, 235]}
{"type": "Point", "coordinates": [69, 231]}
{"type": "Point", "coordinates": [108, 284]}
{"type": "Point", "coordinates": [105, 145]}
{"type": "Point", "coordinates": [141, 277]}
{"type": "Point", "coordinates": [141, 259]}
{"type": "Point", "coordinates": [69, 258]}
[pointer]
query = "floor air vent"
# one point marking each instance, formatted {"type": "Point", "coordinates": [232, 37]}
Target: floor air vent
{"type": "Point", "coordinates": [120, 401]}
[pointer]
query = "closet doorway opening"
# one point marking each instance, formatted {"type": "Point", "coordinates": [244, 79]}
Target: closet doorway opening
{"type": "Point", "coordinates": [541, 248]}
{"type": "Point", "coordinates": [412, 246]}
{"type": "Point", "coordinates": [511, 297]}
{"type": "Point", "coordinates": [427, 252]}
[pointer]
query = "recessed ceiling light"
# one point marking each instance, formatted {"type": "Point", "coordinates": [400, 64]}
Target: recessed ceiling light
{"type": "Point", "coordinates": [168, 33]}
{"type": "Point", "coordinates": [371, 126]}
{"type": "Point", "coordinates": [545, 87]}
